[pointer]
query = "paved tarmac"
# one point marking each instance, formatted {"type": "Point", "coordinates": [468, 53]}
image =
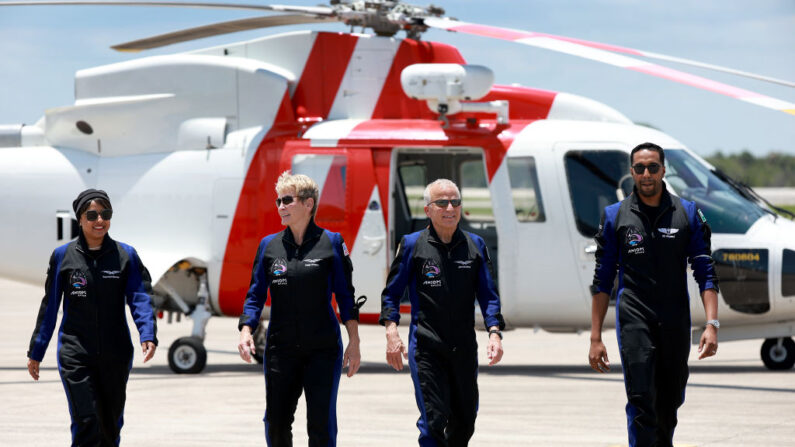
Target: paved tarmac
{"type": "Point", "coordinates": [541, 394]}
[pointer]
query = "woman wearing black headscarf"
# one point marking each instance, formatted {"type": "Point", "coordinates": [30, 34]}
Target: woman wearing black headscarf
{"type": "Point", "coordinates": [95, 275]}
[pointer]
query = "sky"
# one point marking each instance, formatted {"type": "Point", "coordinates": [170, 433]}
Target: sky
{"type": "Point", "coordinates": [42, 47]}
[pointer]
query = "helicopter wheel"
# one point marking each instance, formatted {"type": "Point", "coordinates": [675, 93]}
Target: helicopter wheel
{"type": "Point", "coordinates": [187, 355]}
{"type": "Point", "coordinates": [778, 357]}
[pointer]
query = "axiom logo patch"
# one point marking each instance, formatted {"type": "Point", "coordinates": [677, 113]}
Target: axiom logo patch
{"type": "Point", "coordinates": [634, 238]}
{"type": "Point", "coordinates": [79, 283]}
{"type": "Point", "coordinates": [430, 269]}
{"type": "Point", "coordinates": [279, 267]}
{"type": "Point", "coordinates": [431, 272]}
{"type": "Point", "coordinates": [78, 280]}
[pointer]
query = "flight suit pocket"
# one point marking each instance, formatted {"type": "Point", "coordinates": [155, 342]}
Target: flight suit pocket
{"type": "Point", "coordinates": [638, 370]}
{"type": "Point", "coordinates": [82, 397]}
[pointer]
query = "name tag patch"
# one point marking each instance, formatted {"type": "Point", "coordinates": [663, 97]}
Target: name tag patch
{"type": "Point", "coordinates": [111, 274]}
{"type": "Point", "coordinates": [668, 233]}
{"type": "Point", "coordinates": [464, 264]}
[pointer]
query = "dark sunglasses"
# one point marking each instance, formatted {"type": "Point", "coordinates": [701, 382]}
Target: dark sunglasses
{"type": "Point", "coordinates": [640, 168]}
{"type": "Point", "coordinates": [92, 215]}
{"type": "Point", "coordinates": [442, 203]}
{"type": "Point", "coordinates": [286, 200]}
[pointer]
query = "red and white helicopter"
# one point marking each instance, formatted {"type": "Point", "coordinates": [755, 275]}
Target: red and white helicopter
{"type": "Point", "coordinates": [199, 138]}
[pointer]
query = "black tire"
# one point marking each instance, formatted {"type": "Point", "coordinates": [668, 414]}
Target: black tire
{"type": "Point", "coordinates": [776, 358]}
{"type": "Point", "coordinates": [187, 355]}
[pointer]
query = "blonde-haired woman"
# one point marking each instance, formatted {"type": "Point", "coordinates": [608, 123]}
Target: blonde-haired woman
{"type": "Point", "coordinates": [302, 266]}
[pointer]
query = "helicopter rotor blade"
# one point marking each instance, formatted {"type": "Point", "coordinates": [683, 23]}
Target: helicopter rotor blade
{"type": "Point", "coordinates": [217, 29]}
{"type": "Point", "coordinates": [606, 54]}
{"type": "Point", "coordinates": [312, 10]}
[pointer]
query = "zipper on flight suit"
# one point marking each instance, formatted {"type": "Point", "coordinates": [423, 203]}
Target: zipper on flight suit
{"type": "Point", "coordinates": [92, 266]}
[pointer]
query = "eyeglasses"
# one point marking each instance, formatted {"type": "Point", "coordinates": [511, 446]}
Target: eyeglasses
{"type": "Point", "coordinates": [640, 168]}
{"type": "Point", "coordinates": [442, 203]}
{"type": "Point", "coordinates": [286, 200]}
{"type": "Point", "coordinates": [92, 215]}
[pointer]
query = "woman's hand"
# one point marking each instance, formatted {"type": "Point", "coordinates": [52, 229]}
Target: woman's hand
{"type": "Point", "coordinates": [33, 368]}
{"type": "Point", "coordinates": [352, 358]}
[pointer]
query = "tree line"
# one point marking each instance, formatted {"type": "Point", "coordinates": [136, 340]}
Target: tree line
{"type": "Point", "coordinates": [772, 170]}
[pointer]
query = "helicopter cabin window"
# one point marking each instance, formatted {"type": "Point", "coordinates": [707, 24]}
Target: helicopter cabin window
{"type": "Point", "coordinates": [413, 178]}
{"type": "Point", "coordinates": [594, 178]}
{"type": "Point", "coordinates": [330, 174]}
{"type": "Point", "coordinates": [525, 192]}
{"type": "Point", "coordinates": [475, 195]}
{"type": "Point", "coordinates": [788, 274]}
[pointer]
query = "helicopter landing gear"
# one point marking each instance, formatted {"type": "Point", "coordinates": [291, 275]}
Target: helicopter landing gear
{"type": "Point", "coordinates": [187, 355]}
{"type": "Point", "coordinates": [778, 353]}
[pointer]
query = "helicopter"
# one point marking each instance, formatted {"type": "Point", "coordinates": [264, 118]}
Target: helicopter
{"type": "Point", "coordinates": [201, 136]}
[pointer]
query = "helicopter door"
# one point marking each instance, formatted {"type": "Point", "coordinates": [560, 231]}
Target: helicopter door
{"type": "Point", "coordinates": [417, 168]}
{"type": "Point", "coordinates": [593, 178]}
{"type": "Point", "coordinates": [540, 275]}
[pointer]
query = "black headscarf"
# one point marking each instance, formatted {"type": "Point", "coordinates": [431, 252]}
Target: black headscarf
{"type": "Point", "coordinates": [86, 197]}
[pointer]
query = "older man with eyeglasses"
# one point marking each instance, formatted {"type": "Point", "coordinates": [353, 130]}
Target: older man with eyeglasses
{"type": "Point", "coordinates": [649, 237]}
{"type": "Point", "coordinates": [446, 270]}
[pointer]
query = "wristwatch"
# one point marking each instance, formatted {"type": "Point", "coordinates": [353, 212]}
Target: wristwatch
{"type": "Point", "coordinates": [496, 331]}
{"type": "Point", "coordinates": [714, 323]}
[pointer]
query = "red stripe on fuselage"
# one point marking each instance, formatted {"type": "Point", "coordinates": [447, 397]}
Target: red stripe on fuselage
{"type": "Point", "coordinates": [393, 102]}
{"type": "Point", "coordinates": [322, 76]}
{"type": "Point", "coordinates": [524, 103]}
{"type": "Point", "coordinates": [254, 218]}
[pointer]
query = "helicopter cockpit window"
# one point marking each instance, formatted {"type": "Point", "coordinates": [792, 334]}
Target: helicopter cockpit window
{"type": "Point", "coordinates": [594, 178]}
{"type": "Point", "coordinates": [725, 209]}
{"type": "Point", "coordinates": [524, 189]}
{"type": "Point", "coordinates": [476, 207]}
{"type": "Point", "coordinates": [330, 173]}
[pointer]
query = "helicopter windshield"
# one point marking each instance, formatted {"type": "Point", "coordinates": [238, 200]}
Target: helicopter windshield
{"type": "Point", "coordinates": [725, 209]}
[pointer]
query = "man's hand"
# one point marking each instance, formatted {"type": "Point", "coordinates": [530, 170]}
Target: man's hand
{"type": "Point", "coordinates": [352, 358]}
{"type": "Point", "coordinates": [148, 348]}
{"type": "Point", "coordinates": [708, 346]}
{"type": "Point", "coordinates": [394, 347]}
{"type": "Point", "coordinates": [494, 350]}
{"type": "Point", "coordinates": [597, 356]}
{"type": "Point", "coordinates": [33, 368]}
{"type": "Point", "coordinates": [246, 345]}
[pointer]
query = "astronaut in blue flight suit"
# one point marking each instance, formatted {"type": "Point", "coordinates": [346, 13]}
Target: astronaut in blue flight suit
{"type": "Point", "coordinates": [649, 237]}
{"type": "Point", "coordinates": [446, 270]}
{"type": "Point", "coordinates": [301, 266]}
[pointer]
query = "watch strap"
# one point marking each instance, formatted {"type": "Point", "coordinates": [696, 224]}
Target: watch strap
{"type": "Point", "coordinates": [496, 331]}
